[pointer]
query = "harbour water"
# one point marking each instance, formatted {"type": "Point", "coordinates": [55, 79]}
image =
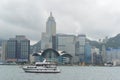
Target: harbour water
{"type": "Point", "coordinates": [13, 72]}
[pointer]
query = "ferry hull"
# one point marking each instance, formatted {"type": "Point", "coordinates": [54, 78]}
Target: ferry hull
{"type": "Point", "coordinates": [42, 71]}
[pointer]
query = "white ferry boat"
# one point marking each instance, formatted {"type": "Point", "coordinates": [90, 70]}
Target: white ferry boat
{"type": "Point", "coordinates": [42, 67]}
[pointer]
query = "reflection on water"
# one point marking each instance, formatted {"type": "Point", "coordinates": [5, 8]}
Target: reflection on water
{"type": "Point", "coordinates": [67, 73]}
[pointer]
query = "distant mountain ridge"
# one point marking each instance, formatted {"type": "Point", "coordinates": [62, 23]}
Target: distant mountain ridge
{"type": "Point", "coordinates": [113, 42]}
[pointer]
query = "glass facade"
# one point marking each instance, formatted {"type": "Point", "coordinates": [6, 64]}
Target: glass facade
{"type": "Point", "coordinates": [66, 43]}
{"type": "Point", "coordinates": [11, 49]}
{"type": "Point", "coordinates": [80, 47]}
{"type": "Point", "coordinates": [4, 44]}
{"type": "Point", "coordinates": [18, 49]}
{"type": "Point", "coordinates": [87, 53]}
{"type": "Point", "coordinates": [24, 50]}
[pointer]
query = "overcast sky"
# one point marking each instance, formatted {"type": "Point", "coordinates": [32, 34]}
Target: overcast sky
{"type": "Point", "coordinates": [95, 18]}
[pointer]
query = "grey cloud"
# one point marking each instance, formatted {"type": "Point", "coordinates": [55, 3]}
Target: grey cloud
{"type": "Point", "coordinates": [99, 18]}
{"type": "Point", "coordinates": [25, 15]}
{"type": "Point", "coordinates": [20, 18]}
{"type": "Point", "coordinates": [95, 18]}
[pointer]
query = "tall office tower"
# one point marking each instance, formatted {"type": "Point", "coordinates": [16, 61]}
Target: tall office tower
{"type": "Point", "coordinates": [48, 38]}
{"type": "Point", "coordinates": [81, 39]}
{"type": "Point", "coordinates": [23, 48]}
{"type": "Point", "coordinates": [66, 43]}
{"type": "Point", "coordinates": [95, 56]}
{"type": "Point", "coordinates": [11, 50]}
{"type": "Point", "coordinates": [3, 55]}
{"type": "Point", "coordinates": [17, 49]}
{"type": "Point", "coordinates": [87, 53]}
{"type": "Point", "coordinates": [51, 26]}
{"type": "Point", "coordinates": [103, 53]}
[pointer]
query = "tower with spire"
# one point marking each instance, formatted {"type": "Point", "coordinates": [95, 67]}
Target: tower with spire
{"type": "Point", "coordinates": [51, 25]}
{"type": "Point", "coordinates": [48, 37]}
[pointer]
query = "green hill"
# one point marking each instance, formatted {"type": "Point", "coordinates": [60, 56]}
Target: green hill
{"type": "Point", "coordinates": [114, 42]}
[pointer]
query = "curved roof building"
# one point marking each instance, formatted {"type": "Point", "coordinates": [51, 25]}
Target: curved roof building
{"type": "Point", "coordinates": [54, 56]}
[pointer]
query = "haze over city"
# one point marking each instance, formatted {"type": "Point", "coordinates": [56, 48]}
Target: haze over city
{"type": "Point", "coordinates": [95, 18]}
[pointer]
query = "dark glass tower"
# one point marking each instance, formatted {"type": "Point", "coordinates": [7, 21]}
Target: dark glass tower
{"type": "Point", "coordinates": [18, 49]}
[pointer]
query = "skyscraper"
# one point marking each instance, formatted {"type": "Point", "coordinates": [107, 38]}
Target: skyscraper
{"type": "Point", "coordinates": [17, 49]}
{"type": "Point", "coordinates": [4, 50]}
{"type": "Point", "coordinates": [23, 48]}
{"type": "Point", "coordinates": [66, 43]}
{"type": "Point", "coordinates": [48, 37]}
{"type": "Point", "coordinates": [11, 50]}
{"type": "Point", "coordinates": [51, 26]}
{"type": "Point", "coordinates": [103, 53]}
{"type": "Point", "coordinates": [87, 53]}
{"type": "Point", "coordinates": [80, 46]}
